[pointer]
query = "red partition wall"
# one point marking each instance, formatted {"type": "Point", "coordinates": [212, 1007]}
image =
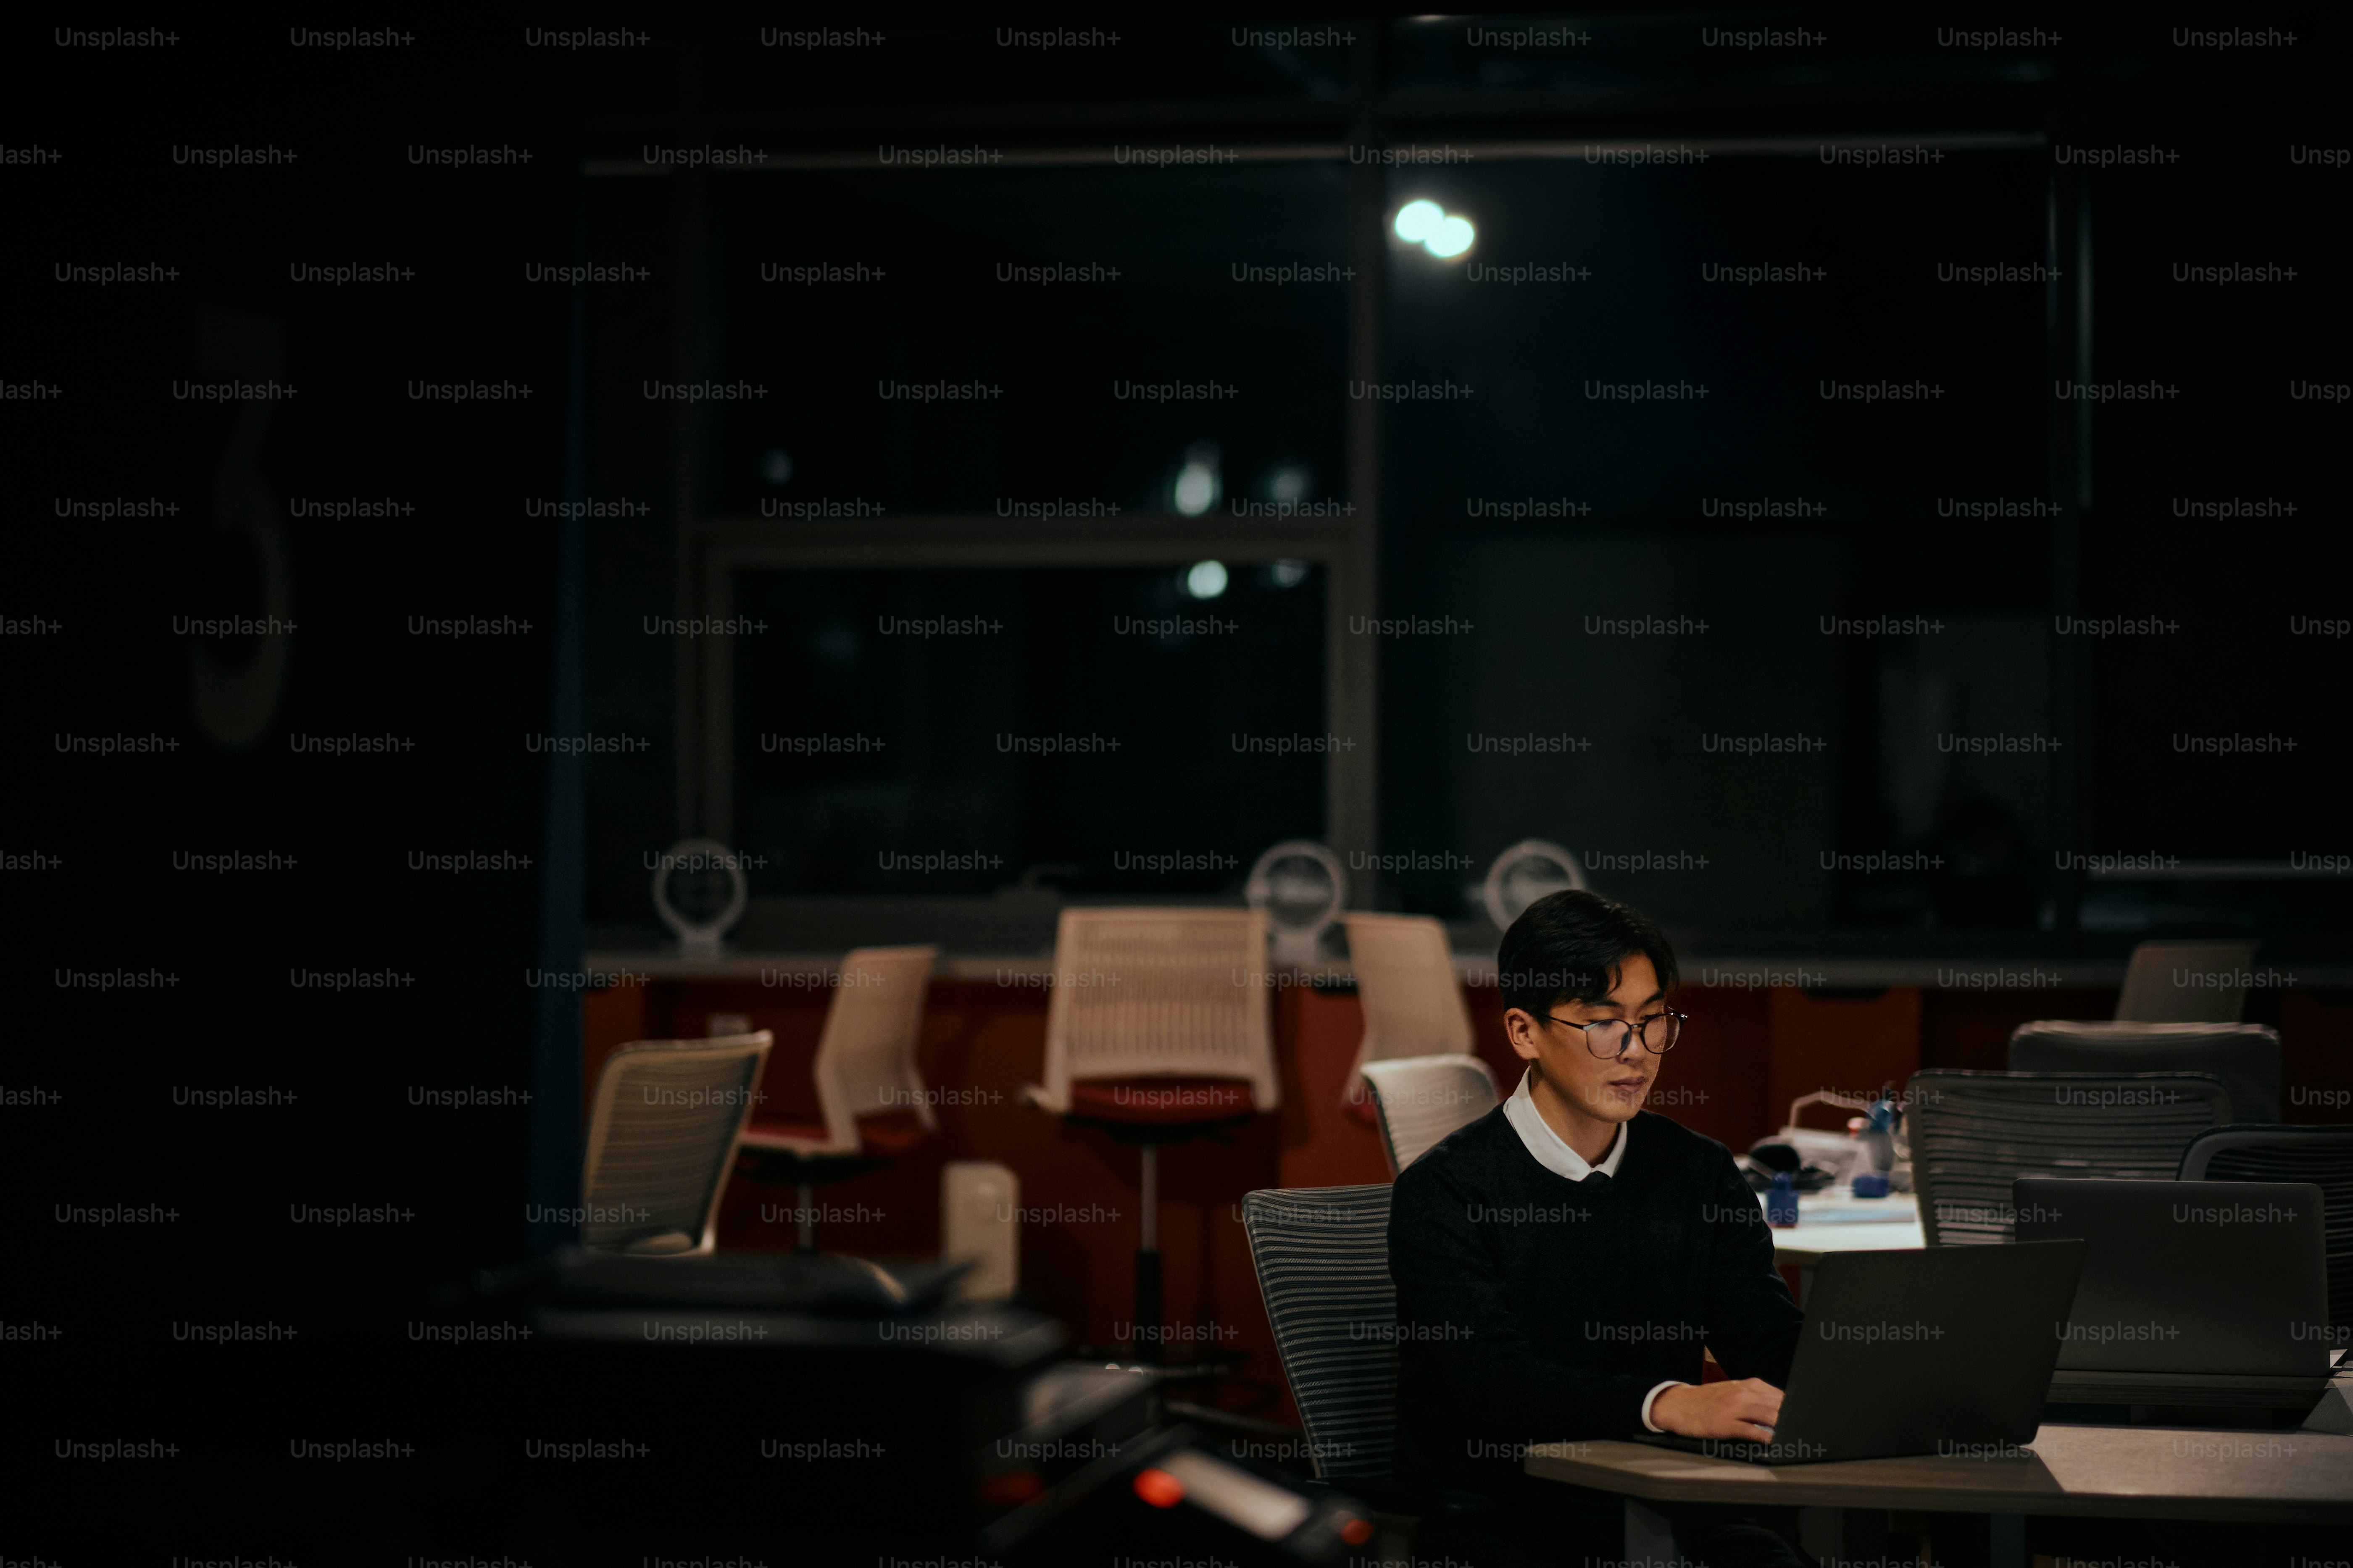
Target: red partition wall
{"type": "Point", "coordinates": [1971, 1029]}
{"type": "Point", "coordinates": [1717, 1081]}
{"type": "Point", "coordinates": [1851, 1045]}
{"type": "Point", "coordinates": [1323, 1144]}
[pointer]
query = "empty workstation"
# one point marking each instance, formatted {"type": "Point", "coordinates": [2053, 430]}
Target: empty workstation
{"type": "Point", "coordinates": [1464, 791]}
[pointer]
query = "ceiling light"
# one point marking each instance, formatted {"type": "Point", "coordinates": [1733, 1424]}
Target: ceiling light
{"type": "Point", "coordinates": [1442, 234]}
{"type": "Point", "coordinates": [1198, 481]}
{"type": "Point", "coordinates": [1417, 221]}
{"type": "Point", "coordinates": [1453, 238]}
{"type": "Point", "coordinates": [1206, 580]}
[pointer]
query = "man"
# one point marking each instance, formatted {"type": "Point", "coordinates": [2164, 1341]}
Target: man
{"type": "Point", "coordinates": [1560, 1263]}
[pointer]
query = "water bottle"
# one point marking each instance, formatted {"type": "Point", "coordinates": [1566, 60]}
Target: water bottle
{"type": "Point", "coordinates": [1781, 1202]}
{"type": "Point", "coordinates": [1879, 1138]}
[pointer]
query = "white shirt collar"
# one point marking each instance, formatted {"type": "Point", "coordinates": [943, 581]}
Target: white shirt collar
{"type": "Point", "coordinates": [1545, 1145]}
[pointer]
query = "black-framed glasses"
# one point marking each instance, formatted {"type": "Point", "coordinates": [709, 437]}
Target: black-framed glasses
{"type": "Point", "coordinates": [1607, 1037]}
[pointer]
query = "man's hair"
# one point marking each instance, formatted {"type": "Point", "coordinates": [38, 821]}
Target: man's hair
{"type": "Point", "coordinates": [1572, 946]}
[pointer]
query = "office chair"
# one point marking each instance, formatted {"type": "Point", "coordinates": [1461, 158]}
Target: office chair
{"type": "Point", "coordinates": [2245, 1056]}
{"type": "Point", "coordinates": [1322, 1260]}
{"type": "Point", "coordinates": [1974, 1134]}
{"type": "Point", "coordinates": [661, 1138]}
{"type": "Point", "coordinates": [871, 1098]}
{"type": "Point", "coordinates": [2186, 983]}
{"type": "Point", "coordinates": [1412, 1001]}
{"type": "Point", "coordinates": [1422, 1099]}
{"type": "Point", "coordinates": [2322, 1155]}
{"type": "Point", "coordinates": [1158, 1032]}
{"type": "Point", "coordinates": [1322, 1255]}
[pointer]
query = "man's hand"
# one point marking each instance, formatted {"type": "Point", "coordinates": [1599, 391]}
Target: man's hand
{"type": "Point", "coordinates": [1749, 1408]}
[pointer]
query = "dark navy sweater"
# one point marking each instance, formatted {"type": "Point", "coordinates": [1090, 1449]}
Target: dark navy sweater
{"type": "Point", "coordinates": [1531, 1309]}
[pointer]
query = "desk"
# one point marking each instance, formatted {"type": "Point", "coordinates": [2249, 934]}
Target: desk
{"type": "Point", "coordinates": [2118, 1472]}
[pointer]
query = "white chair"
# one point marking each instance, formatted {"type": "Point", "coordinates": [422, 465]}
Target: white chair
{"type": "Point", "coordinates": [1412, 1001]}
{"type": "Point", "coordinates": [2186, 983]}
{"type": "Point", "coordinates": [869, 1093]}
{"type": "Point", "coordinates": [1159, 1031]}
{"type": "Point", "coordinates": [1156, 993]}
{"type": "Point", "coordinates": [661, 1140]}
{"type": "Point", "coordinates": [1422, 1099]}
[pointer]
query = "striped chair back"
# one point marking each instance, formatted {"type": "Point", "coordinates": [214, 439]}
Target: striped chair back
{"type": "Point", "coordinates": [662, 1141]}
{"type": "Point", "coordinates": [2321, 1155]}
{"type": "Point", "coordinates": [1975, 1134]}
{"type": "Point", "coordinates": [1322, 1260]}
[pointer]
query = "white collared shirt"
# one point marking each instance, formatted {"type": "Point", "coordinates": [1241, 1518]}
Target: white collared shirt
{"type": "Point", "coordinates": [1548, 1149]}
{"type": "Point", "coordinates": [1546, 1146]}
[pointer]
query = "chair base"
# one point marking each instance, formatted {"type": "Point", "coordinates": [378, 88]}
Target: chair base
{"type": "Point", "coordinates": [1163, 1112]}
{"type": "Point", "coordinates": [1148, 1325]}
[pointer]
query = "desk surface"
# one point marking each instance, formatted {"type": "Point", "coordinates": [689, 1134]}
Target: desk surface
{"type": "Point", "coordinates": [2157, 1472]}
{"type": "Point", "coordinates": [1837, 1221]}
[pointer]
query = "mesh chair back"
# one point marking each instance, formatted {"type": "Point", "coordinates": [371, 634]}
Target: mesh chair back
{"type": "Point", "coordinates": [865, 1058]}
{"type": "Point", "coordinates": [2245, 1056]}
{"type": "Point", "coordinates": [1159, 992]}
{"type": "Point", "coordinates": [2186, 983]}
{"type": "Point", "coordinates": [1423, 1099]}
{"type": "Point", "coordinates": [1974, 1134]}
{"type": "Point", "coordinates": [1322, 1260]}
{"type": "Point", "coordinates": [661, 1140]}
{"type": "Point", "coordinates": [1406, 982]}
{"type": "Point", "coordinates": [2322, 1155]}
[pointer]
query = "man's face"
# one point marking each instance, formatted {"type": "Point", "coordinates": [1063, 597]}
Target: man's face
{"type": "Point", "coordinates": [1606, 1088]}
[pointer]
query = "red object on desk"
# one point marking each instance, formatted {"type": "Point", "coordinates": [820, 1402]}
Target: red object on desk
{"type": "Point", "coordinates": [1159, 1489]}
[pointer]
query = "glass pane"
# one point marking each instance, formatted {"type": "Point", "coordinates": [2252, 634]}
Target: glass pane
{"type": "Point", "coordinates": [797, 73]}
{"type": "Point", "coordinates": [1024, 342]}
{"type": "Point", "coordinates": [1744, 496]}
{"type": "Point", "coordinates": [955, 732]}
{"type": "Point", "coordinates": [1631, 58]}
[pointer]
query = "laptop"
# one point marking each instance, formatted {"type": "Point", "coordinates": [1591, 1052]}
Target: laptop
{"type": "Point", "coordinates": [1944, 1351]}
{"type": "Point", "coordinates": [2190, 1277]}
